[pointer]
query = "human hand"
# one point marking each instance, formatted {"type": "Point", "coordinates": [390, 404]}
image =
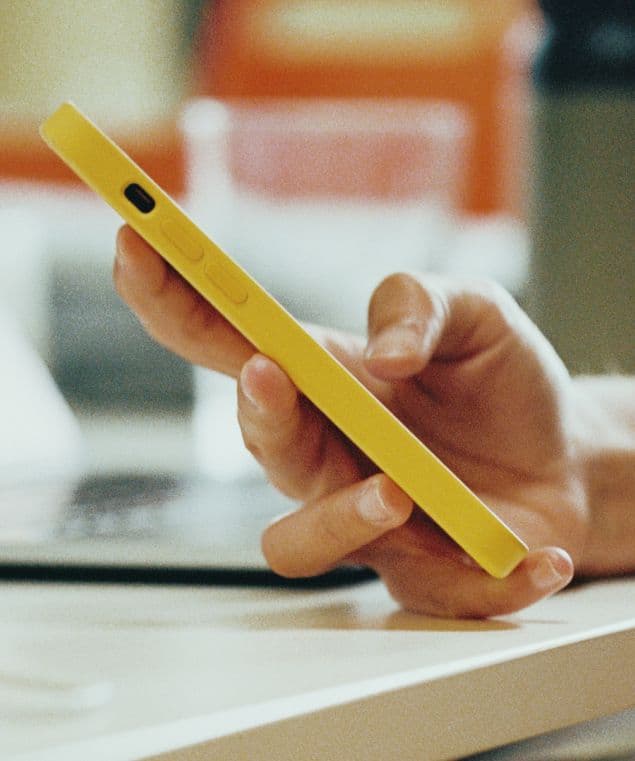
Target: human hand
{"type": "Point", "coordinates": [469, 374]}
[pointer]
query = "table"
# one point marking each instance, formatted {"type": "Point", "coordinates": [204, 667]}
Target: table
{"type": "Point", "coordinates": [133, 672]}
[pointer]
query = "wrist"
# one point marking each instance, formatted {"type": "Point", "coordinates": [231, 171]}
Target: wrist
{"type": "Point", "coordinates": [605, 450]}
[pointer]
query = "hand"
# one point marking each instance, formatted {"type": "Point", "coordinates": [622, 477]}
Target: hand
{"type": "Point", "coordinates": [469, 374]}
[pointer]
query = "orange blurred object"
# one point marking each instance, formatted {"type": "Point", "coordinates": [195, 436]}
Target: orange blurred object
{"type": "Point", "coordinates": [23, 156]}
{"type": "Point", "coordinates": [444, 50]}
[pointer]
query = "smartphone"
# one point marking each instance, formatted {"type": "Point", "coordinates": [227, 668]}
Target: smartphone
{"type": "Point", "coordinates": [102, 165]}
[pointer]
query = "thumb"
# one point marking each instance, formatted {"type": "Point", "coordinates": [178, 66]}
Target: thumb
{"type": "Point", "coordinates": [413, 319]}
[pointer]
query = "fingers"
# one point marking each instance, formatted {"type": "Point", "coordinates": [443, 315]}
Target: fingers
{"type": "Point", "coordinates": [172, 312]}
{"type": "Point", "coordinates": [371, 522]}
{"type": "Point", "coordinates": [412, 319]}
{"type": "Point", "coordinates": [413, 324]}
{"type": "Point", "coordinates": [326, 531]}
{"type": "Point", "coordinates": [303, 455]}
{"type": "Point", "coordinates": [454, 587]}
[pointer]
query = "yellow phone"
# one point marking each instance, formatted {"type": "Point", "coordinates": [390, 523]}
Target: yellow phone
{"type": "Point", "coordinates": [102, 165]}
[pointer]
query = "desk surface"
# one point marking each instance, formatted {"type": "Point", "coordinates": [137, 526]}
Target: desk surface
{"type": "Point", "coordinates": [277, 674]}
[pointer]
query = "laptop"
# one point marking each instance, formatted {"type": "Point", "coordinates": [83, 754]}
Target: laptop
{"type": "Point", "coordinates": [155, 528]}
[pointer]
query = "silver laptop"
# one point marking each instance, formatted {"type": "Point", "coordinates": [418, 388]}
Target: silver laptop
{"type": "Point", "coordinates": [154, 528]}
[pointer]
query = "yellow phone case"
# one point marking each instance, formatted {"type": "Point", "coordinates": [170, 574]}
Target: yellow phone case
{"type": "Point", "coordinates": [273, 331]}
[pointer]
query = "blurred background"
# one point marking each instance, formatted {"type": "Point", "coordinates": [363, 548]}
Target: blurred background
{"type": "Point", "coordinates": [324, 144]}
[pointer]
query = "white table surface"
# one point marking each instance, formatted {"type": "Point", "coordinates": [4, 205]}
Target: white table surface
{"type": "Point", "coordinates": [111, 672]}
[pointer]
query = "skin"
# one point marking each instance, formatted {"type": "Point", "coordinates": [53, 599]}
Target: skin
{"type": "Point", "coordinates": [466, 370]}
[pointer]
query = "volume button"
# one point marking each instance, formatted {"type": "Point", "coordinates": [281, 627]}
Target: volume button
{"type": "Point", "coordinates": [225, 281]}
{"type": "Point", "coordinates": [181, 239]}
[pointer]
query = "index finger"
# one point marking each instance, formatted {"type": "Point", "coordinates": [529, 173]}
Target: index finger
{"type": "Point", "coordinates": [172, 312]}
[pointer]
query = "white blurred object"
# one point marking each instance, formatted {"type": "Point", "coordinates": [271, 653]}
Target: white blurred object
{"type": "Point", "coordinates": [495, 247]}
{"type": "Point", "coordinates": [23, 271]}
{"type": "Point", "coordinates": [39, 436]}
{"type": "Point", "coordinates": [218, 445]}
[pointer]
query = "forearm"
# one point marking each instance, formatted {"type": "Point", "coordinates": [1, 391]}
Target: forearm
{"type": "Point", "coordinates": [605, 425]}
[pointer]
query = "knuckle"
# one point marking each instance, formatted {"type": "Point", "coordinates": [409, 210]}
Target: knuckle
{"type": "Point", "coordinates": [154, 331]}
{"type": "Point", "coordinates": [491, 305]}
{"type": "Point", "coordinates": [252, 445]}
{"type": "Point", "coordinates": [497, 298]}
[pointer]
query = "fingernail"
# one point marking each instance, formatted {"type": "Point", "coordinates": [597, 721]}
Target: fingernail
{"type": "Point", "coordinates": [550, 572]}
{"type": "Point", "coordinates": [372, 508]}
{"type": "Point", "coordinates": [248, 392]}
{"type": "Point", "coordinates": [394, 341]}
